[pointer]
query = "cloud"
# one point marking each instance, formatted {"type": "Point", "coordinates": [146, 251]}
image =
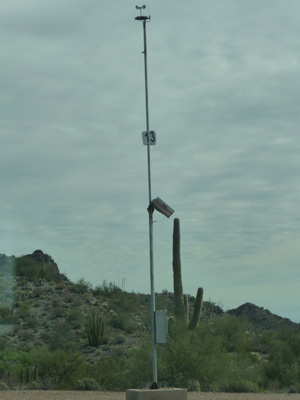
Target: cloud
{"type": "Point", "coordinates": [223, 97]}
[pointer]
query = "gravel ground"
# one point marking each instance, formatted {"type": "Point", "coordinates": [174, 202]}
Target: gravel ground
{"type": "Point", "coordinates": [66, 395]}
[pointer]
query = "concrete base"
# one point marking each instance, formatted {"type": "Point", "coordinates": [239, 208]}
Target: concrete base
{"type": "Point", "coordinates": [156, 394]}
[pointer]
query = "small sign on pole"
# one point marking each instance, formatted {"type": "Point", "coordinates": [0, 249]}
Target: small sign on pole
{"type": "Point", "coordinates": [149, 137]}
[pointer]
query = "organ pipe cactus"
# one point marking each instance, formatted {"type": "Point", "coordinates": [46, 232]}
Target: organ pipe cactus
{"type": "Point", "coordinates": [181, 301]}
{"type": "Point", "coordinates": [94, 328]}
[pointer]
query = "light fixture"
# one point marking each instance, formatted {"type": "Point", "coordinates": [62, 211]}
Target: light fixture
{"type": "Point", "coordinates": [159, 205]}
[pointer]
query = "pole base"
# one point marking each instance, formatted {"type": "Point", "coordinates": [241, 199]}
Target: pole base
{"type": "Point", "coordinates": [154, 386]}
{"type": "Point", "coordinates": [158, 394]}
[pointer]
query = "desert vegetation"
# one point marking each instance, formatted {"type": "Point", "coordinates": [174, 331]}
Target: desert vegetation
{"type": "Point", "coordinates": [56, 334]}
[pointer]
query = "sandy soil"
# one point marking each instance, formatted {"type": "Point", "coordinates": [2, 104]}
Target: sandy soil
{"type": "Point", "coordinates": [61, 395]}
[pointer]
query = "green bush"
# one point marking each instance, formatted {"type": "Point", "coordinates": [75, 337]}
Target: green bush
{"type": "Point", "coordinates": [234, 333]}
{"type": "Point", "coordinates": [139, 364]}
{"type": "Point", "coordinates": [3, 386]}
{"type": "Point", "coordinates": [87, 384]}
{"type": "Point", "coordinates": [283, 366]}
{"type": "Point", "coordinates": [63, 337]}
{"type": "Point", "coordinates": [60, 369]}
{"type": "Point", "coordinates": [57, 312]}
{"type": "Point", "coordinates": [240, 386]}
{"type": "Point", "coordinates": [76, 318]}
{"type": "Point", "coordinates": [197, 355]}
{"type": "Point", "coordinates": [182, 381]}
{"type": "Point", "coordinates": [81, 286]}
{"type": "Point", "coordinates": [106, 289]}
{"type": "Point", "coordinates": [110, 373]}
{"type": "Point", "coordinates": [122, 321]}
{"type": "Point", "coordinates": [5, 312]}
{"type": "Point", "coordinates": [6, 316]}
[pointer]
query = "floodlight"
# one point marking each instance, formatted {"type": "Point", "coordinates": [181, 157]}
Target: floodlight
{"type": "Point", "coordinates": [160, 206]}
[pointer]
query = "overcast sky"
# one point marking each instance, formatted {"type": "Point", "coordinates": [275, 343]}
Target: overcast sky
{"type": "Point", "coordinates": [224, 90]}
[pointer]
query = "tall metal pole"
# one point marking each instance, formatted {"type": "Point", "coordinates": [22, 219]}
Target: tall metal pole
{"type": "Point", "coordinates": [150, 210]}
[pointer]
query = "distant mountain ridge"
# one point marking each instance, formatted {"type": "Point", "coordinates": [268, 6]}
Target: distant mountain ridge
{"type": "Point", "coordinates": [261, 317]}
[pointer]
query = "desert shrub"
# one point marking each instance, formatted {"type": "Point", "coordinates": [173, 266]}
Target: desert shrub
{"type": "Point", "coordinates": [182, 381]}
{"type": "Point", "coordinates": [26, 335]}
{"type": "Point", "coordinates": [12, 363]}
{"type": "Point", "coordinates": [48, 272]}
{"type": "Point", "coordinates": [234, 333]}
{"type": "Point", "coordinates": [24, 309]}
{"type": "Point", "coordinates": [57, 312]}
{"type": "Point", "coordinates": [124, 302]}
{"type": "Point", "coordinates": [87, 384]}
{"type": "Point", "coordinates": [119, 339]}
{"type": "Point", "coordinates": [122, 321]}
{"type": "Point", "coordinates": [60, 286]}
{"type": "Point", "coordinates": [246, 367]}
{"type": "Point", "coordinates": [3, 344]}
{"type": "Point", "coordinates": [76, 318]}
{"type": "Point", "coordinates": [81, 286]}
{"type": "Point", "coordinates": [294, 388]}
{"type": "Point", "coordinates": [283, 366]}
{"type": "Point", "coordinates": [37, 291]}
{"type": "Point", "coordinates": [60, 369]}
{"type": "Point", "coordinates": [240, 386]}
{"type": "Point", "coordinates": [69, 297]}
{"type": "Point", "coordinates": [3, 386]}
{"type": "Point", "coordinates": [192, 359]}
{"type": "Point", "coordinates": [5, 313]}
{"type": "Point", "coordinates": [197, 355]}
{"type": "Point", "coordinates": [7, 316]}
{"type": "Point", "coordinates": [76, 302]}
{"type": "Point", "coordinates": [3, 368]}
{"type": "Point", "coordinates": [110, 373]}
{"type": "Point", "coordinates": [56, 301]}
{"type": "Point", "coordinates": [26, 267]}
{"type": "Point", "coordinates": [62, 337]}
{"type": "Point", "coordinates": [106, 289]}
{"type": "Point", "coordinates": [139, 364]}
{"type": "Point", "coordinates": [32, 320]}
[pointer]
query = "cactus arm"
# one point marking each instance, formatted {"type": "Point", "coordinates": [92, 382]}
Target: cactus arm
{"type": "Point", "coordinates": [197, 310]}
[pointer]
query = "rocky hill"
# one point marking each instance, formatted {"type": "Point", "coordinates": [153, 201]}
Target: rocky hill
{"type": "Point", "coordinates": [39, 305]}
{"type": "Point", "coordinates": [261, 318]}
{"type": "Point", "coordinates": [44, 316]}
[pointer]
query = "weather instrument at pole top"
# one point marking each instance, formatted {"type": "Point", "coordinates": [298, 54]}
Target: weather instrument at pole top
{"type": "Point", "coordinates": [149, 137]}
{"type": "Point", "coordinates": [141, 17]}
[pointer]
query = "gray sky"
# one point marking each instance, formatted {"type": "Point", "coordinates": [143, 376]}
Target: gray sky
{"type": "Point", "coordinates": [224, 93]}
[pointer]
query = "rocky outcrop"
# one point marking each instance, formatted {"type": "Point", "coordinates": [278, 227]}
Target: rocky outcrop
{"type": "Point", "coordinates": [262, 318]}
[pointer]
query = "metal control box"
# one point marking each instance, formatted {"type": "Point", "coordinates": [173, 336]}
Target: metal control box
{"type": "Point", "coordinates": [161, 324]}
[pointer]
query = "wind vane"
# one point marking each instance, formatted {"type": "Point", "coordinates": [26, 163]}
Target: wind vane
{"type": "Point", "coordinates": [141, 17]}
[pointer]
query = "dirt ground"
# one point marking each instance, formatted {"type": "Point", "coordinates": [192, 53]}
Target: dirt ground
{"type": "Point", "coordinates": [64, 395]}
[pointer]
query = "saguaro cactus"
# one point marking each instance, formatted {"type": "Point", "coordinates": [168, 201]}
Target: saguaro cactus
{"type": "Point", "coordinates": [178, 291]}
{"type": "Point", "coordinates": [94, 328]}
{"type": "Point", "coordinates": [181, 301]}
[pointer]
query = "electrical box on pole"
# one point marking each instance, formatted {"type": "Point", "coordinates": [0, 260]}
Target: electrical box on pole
{"type": "Point", "coordinates": [161, 324]}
